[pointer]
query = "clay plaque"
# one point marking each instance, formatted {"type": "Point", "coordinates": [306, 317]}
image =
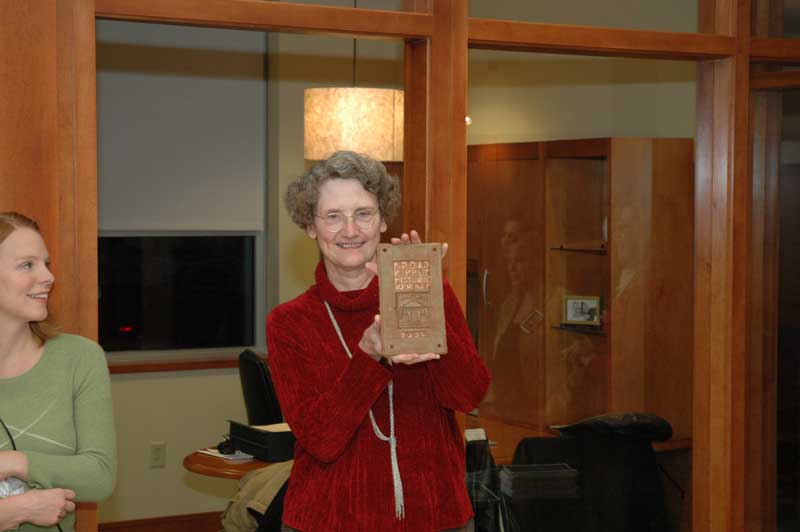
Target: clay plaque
{"type": "Point", "coordinates": [412, 304]}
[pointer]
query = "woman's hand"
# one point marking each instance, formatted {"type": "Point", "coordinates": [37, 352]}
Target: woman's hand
{"type": "Point", "coordinates": [412, 237]}
{"type": "Point", "coordinates": [371, 340]}
{"type": "Point", "coordinates": [371, 344]}
{"type": "Point", "coordinates": [45, 507]}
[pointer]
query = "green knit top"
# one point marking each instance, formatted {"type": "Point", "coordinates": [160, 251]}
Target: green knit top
{"type": "Point", "coordinates": [60, 415]}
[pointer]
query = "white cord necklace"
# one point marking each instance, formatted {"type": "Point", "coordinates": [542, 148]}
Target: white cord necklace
{"type": "Point", "coordinates": [399, 508]}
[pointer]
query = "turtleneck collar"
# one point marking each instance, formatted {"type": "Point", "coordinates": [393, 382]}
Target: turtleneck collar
{"type": "Point", "coordinates": [350, 300]}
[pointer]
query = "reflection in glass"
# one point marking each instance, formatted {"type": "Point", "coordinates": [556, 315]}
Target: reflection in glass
{"type": "Point", "coordinates": [513, 358]}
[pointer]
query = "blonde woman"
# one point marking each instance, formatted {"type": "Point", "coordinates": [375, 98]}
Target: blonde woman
{"type": "Point", "coordinates": [57, 441]}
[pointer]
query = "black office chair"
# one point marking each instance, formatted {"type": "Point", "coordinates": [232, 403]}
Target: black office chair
{"type": "Point", "coordinates": [620, 488]}
{"type": "Point", "coordinates": [262, 407]}
{"type": "Point", "coordinates": [621, 481]}
{"type": "Point", "coordinates": [260, 399]}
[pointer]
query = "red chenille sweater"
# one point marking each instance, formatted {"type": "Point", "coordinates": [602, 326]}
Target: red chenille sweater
{"type": "Point", "coordinates": [342, 476]}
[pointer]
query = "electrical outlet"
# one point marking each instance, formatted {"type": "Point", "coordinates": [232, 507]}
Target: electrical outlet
{"type": "Point", "coordinates": [158, 454]}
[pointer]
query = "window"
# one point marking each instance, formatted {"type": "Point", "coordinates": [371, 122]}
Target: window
{"type": "Point", "coordinates": [176, 292]}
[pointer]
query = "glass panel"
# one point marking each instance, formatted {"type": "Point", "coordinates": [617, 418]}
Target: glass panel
{"type": "Point", "coordinates": [677, 15]}
{"type": "Point", "coordinates": [581, 196]}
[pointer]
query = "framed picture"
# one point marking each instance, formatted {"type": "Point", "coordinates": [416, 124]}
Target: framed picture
{"type": "Point", "coordinates": [581, 310]}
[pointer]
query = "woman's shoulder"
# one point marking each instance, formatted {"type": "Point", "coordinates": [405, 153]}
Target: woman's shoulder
{"type": "Point", "coordinates": [77, 347]}
{"type": "Point", "coordinates": [294, 309]}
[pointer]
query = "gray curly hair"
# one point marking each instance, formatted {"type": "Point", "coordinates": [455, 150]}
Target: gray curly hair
{"type": "Point", "coordinates": [302, 194]}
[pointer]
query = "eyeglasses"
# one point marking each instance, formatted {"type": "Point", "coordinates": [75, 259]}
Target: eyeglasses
{"type": "Point", "coordinates": [335, 221]}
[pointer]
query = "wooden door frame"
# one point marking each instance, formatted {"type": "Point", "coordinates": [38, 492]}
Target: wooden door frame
{"type": "Point", "coordinates": [438, 36]}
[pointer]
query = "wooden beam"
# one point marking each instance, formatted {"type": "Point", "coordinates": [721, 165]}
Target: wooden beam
{"type": "Point", "coordinates": [77, 166]}
{"type": "Point", "coordinates": [415, 150]}
{"type": "Point", "coordinates": [768, 50]}
{"type": "Point", "coordinates": [587, 40]}
{"type": "Point", "coordinates": [447, 138]}
{"type": "Point", "coordinates": [265, 15]}
{"type": "Point", "coordinates": [788, 79]}
{"type": "Point", "coordinates": [723, 196]}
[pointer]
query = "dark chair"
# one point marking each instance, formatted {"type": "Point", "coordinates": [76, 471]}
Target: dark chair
{"type": "Point", "coordinates": [621, 481]}
{"type": "Point", "coordinates": [620, 487]}
{"type": "Point", "coordinates": [260, 399]}
{"type": "Point", "coordinates": [262, 407]}
{"type": "Point", "coordinates": [551, 510]}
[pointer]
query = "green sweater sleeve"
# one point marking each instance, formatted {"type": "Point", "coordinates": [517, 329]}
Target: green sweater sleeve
{"type": "Point", "coordinates": [91, 470]}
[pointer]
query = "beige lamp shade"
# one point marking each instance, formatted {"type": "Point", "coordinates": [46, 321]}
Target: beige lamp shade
{"type": "Point", "coordinates": [363, 120]}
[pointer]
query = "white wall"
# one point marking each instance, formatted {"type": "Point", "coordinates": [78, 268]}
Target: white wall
{"type": "Point", "coordinates": [187, 410]}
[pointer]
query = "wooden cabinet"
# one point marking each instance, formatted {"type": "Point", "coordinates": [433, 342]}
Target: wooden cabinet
{"type": "Point", "coordinates": [611, 218]}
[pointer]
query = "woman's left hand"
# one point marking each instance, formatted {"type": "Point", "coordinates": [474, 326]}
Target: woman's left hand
{"type": "Point", "coordinates": [412, 237]}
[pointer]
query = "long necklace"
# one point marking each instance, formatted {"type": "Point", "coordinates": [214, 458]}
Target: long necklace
{"type": "Point", "coordinates": [399, 509]}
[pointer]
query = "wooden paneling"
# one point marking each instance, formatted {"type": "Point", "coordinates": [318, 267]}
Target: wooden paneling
{"type": "Point", "coordinates": [29, 120]}
{"type": "Point", "coordinates": [588, 40]}
{"type": "Point", "coordinates": [670, 286]}
{"type": "Point", "coordinates": [722, 235]}
{"type": "Point", "coordinates": [632, 312]}
{"type": "Point", "coordinates": [271, 16]}
{"type": "Point", "coordinates": [205, 522]}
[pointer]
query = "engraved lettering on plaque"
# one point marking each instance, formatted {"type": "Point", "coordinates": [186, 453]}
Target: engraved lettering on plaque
{"type": "Point", "coordinates": [412, 312]}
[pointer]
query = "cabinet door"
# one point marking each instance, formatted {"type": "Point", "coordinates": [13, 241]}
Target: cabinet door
{"type": "Point", "coordinates": [506, 239]}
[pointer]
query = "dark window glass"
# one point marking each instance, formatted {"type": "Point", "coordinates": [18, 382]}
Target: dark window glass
{"type": "Point", "coordinates": [164, 292]}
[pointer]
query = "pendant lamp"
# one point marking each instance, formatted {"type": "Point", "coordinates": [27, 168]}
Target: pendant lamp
{"type": "Point", "coordinates": [360, 119]}
{"type": "Point", "coordinates": [364, 120]}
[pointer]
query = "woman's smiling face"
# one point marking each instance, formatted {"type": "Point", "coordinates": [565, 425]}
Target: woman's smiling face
{"type": "Point", "coordinates": [25, 279]}
{"type": "Point", "coordinates": [351, 247]}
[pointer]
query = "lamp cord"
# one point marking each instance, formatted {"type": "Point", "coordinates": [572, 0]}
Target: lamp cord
{"type": "Point", "coordinates": [355, 49]}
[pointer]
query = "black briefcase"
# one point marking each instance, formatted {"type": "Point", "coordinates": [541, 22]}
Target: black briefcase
{"type": "Point", "coordinates": [271, 443]}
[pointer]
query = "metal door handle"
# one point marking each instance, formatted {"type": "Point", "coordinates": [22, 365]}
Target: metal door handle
{"type": "Point", "coordinates": [485, 279]}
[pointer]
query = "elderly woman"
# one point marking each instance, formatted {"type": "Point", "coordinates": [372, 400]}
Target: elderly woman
{"type": "Point", "coordinates": [378, 447]}
{"type": "Point", "coordinates": [57, 442]}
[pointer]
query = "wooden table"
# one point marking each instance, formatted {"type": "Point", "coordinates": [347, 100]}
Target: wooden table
{"type": "Point", "coordinates": [205, 464]}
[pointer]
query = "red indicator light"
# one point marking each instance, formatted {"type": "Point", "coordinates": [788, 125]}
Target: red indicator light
{"type": "Point", "coordinates": [126, 329]}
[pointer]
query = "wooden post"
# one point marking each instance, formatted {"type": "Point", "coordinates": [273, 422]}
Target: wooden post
{"type": "Point", "coordinates": [723, 196]}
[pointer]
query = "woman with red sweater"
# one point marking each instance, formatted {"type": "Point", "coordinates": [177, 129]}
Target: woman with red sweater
{"type": "Point", "coordinates": [378, 447]}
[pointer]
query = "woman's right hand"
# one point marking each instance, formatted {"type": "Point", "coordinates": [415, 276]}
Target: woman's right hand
{"type": "Point", "coordinates": [46, 507]}
{"type": "Point", "coordinates": [371, 344]}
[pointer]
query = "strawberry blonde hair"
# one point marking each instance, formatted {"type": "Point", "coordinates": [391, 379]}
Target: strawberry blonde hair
{"type": "Point", "coordinates": [9, 222]}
